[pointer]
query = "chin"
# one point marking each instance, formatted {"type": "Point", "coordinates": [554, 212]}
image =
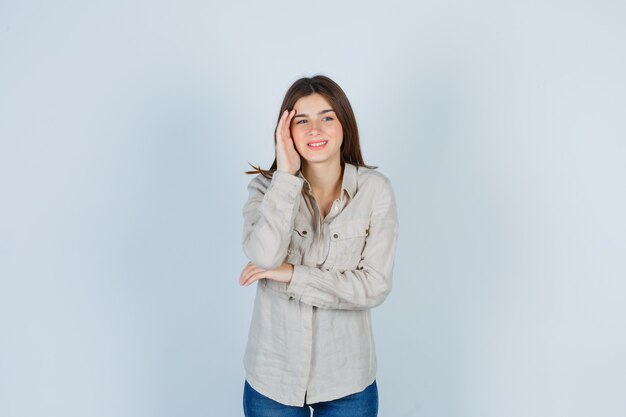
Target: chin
{"type": "Point", "coordinates": [318, 158]}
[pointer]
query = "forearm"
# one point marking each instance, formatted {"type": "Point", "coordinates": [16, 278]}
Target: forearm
{"type": "Point", "coordinates": [345, 290]}
{"type": "Point", "coordinates": [366, 286]}
{"type": "Point", "coordinates": [268, 219]}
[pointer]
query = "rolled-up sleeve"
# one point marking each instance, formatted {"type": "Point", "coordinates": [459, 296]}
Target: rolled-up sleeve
{"type": "Point", "coordinates": [369, 284]}
{"type": "Point", "coordinates": [269, 215]}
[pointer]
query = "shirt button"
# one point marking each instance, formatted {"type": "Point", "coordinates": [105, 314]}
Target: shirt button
{"type": "Point", "coordinates": [304, 232]}
{"type": "Point", "coordinates": [290, 298]}
{"type": "Point", "coordinates": [335, 236]}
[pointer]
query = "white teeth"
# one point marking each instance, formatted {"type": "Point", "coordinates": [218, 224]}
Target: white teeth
{"type": "Point", "coordinates": [318, 144]}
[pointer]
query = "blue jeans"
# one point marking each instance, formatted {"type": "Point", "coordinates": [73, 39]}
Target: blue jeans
{"type": "Point", "coordinates": [360, 404]}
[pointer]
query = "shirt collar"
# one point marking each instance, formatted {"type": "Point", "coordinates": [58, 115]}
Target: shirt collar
{"type": "Point", "coordinates": [348, 183]}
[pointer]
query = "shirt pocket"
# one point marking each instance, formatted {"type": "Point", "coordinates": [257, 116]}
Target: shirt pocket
{"type": "Point", "coordinates": [301, 236]}
{"type": "Point", "coordinates": [347, 240]}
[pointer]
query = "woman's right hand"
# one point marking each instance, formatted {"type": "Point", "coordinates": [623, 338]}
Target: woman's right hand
{"type": "Point", "coordinates": [287, 157]}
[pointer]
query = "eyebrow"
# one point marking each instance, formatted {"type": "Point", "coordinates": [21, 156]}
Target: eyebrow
{"type": "Point", "coordinates": [306, 115]}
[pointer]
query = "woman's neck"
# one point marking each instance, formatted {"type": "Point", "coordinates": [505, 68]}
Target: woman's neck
{"type": "Point", "coordinates": [325, 178]}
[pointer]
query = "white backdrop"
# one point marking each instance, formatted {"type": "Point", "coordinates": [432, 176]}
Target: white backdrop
{"type": "Point", "coordinates": [124, 131]}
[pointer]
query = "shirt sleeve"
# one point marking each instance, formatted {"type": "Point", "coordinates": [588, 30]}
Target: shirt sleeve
{"type": "Point", "coordinates": [269, 216]}
{"type": "Point", "coordinates": [369, 284]}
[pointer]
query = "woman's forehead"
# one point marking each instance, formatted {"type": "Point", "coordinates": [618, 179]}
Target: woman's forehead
{"type": "Point", "coordinates": [312, 104]}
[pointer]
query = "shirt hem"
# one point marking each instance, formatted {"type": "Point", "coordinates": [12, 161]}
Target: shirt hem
{"type": "Point", "coordinates": [310, 398]}
{"type": "Point", "coordinates": [334, 395]}
{"type": "Point", "coordinates": [258, 386]}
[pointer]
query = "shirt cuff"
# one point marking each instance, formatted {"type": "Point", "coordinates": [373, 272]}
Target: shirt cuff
{"type": "Point", "coordinates": [284, 185]}
{"type": "Point", "coordinates": [298, 282]}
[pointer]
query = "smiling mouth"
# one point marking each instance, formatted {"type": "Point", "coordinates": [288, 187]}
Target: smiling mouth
{"type": "Point", "coordinates": [317, 144]}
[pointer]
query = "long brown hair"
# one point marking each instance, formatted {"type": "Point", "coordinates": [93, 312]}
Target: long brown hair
{"type": "Point", "coordinates": [330, 90]}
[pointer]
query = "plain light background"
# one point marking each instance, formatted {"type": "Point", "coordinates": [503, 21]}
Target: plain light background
{"type": "Point", "coordinates": [125, 128]}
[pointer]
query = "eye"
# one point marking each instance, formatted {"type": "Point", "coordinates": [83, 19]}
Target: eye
{"type": "Point", "coordinates": [329, 118]}
{"type": "Point", "coordinates": [299, 121]}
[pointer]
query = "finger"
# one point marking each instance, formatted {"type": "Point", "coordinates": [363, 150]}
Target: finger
{"type": "Point", "coordinates": [248, 274]}
{"type": "Point", "coordinates": [245, 271]}
{"type": "Point", "coordinates": [287, 126]}
{"type": "Point", "coordinates": [245, 268]}
{"type": "Point", "coordinates": [281, 122]}
{"type": "Point", "coordinates": [254, 277]}
{"type": "Point", "coordinates": [248, 266]}
{"type": "Point", "coordinates": [244, 275]}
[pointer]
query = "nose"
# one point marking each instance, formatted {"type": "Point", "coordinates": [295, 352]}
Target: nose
{"type": "Point", "coordinates": [315, 128]}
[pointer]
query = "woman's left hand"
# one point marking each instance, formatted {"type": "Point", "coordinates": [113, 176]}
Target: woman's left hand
{"type": "Point", "coordinates": [251, 273]}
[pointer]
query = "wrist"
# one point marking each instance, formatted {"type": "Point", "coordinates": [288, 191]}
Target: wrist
{"type": "Point", "coordinates": [286, 171]}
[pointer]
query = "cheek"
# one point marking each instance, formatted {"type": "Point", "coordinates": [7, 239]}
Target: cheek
{"type": "Point", "coordinates": [299, 141]}
{"type": "Point", "coordinates": [298, 137]}
{"type": "Point", "coordinates": [338, 132]}
{"type": "Point", "coordinates": [335, 128]}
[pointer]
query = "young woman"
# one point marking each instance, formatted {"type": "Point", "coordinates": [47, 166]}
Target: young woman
{"type": "Point", "coordinates": [320, 230]}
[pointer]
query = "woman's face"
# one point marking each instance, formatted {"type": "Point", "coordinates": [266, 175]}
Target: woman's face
{"type": "Point", "coordinates": [315, 123]}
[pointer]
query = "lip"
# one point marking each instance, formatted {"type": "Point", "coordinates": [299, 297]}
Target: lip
{"type": "Point", "coordinates": [317, 148]}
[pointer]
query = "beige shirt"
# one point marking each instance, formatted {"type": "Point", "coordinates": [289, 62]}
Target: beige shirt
{"type": "Point", "coordinates": [311, 340]}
